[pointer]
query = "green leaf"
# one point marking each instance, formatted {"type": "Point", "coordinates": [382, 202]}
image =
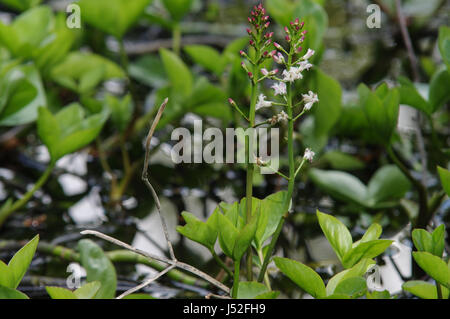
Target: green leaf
{"type": "Point", "coordinates": [178, 8]}
{"type": "Point", "coordinates": [121, 110]}
{"type": "Point", "coordinates": [112, 16]}
{"type": "Point", "coordinates": [444, 44]}
{"type": "Point", "coordinates": [245, 238]}
{"type": "Point", "coordinates": [388, 183]}
{"type": "Point", "coordinates": [434, 266]}
{"type": "Point", "coordinates": [82, 72]}
{"type": "Point", "coordinates": [270, 214]}
{"type": "Point", "coordinates": [20, 262]}
{"type": "Point", "coordinates": [369, 249]}
{"type": "Point", "coordinates": [227, 235]}
{"type": "Point", "coordinates": [444, 175]}
{"type": "Point", "coordinates": [149, 70]}
{"type": "Point", "coordinates": [354, 287]}
{"type": "Point", "coordinates": [423, 289]}
{"type": "Point", "coordinates": [342, 161]}
{"type": "Point", "coordinates": [340, 185]}
{"type": "Point", "coordinates": [6, 276]}
{"type": "Point", "coordinates": [378, 295]}
{"type": "Point", "coordinates": [358, 270]}
{"type": "Point", "coordinates": [438, 239]}
{"type": "Point", "coordinates": [23, 95]}
{"type": "Point", "coordinates": [21, 5]}
{"type": "Point", "coordinates": [439, 93]}
{"type": "Point", "coordinates": [207, 57]}
{"type": "Point", "coordinates": [199, 231]}
{"type": "Point", "coordinates": [302, 275]}
{"type": "Point", "coordinates": [422, 240]}
{"type": "Point", "coordinates": [60, 293]}
{"type": "Point", "coordinates": [67, 131]}
{"type": "Point", "coordinates": [180, 77]}
{"type": "Point", "coordinates": [9, 293]}
{"type": "Point", "coordinates": [250, 289]}
{"type": "Point", "coordinates": [336, 233]}
{"type": "Point", "coordinates": [372, 233]}
{"type": "Point", "coordinates": [328, 110]}
{"type": "Point", "coordinates": [410, 96]}
{"type": "Point", "coordinates": [88, 291]}
{"type": "Point", "coordinates": [98, 268]}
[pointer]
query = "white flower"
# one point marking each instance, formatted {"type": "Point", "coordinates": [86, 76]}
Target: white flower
{"type": "Point", "coordinates": [282, 117]}
{"type": "Point", "coordinates": [309, 100]}
{"type": "Point", "coordinates": [264, 72]}
{"type": "Point", "coordinates": [279, 88]}
{"type": "Point", "coordinates": [293, 74]}
{"type": "Point", "coordinates": [262, 102]}
{"type": "Point", "coordinates": [308, 54]}
{"type": "Point", "coordinates": [309, 155]}
{"type": "Point", "coordinates": [304, 65]}
{"type": "Point", "coordinates": [259, 161]}
{"type": "Point", "coordinates": [279, 58]}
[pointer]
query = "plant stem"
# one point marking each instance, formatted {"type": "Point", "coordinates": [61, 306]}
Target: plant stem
{"type": "Point", "coordinates": [439, 290]}
{"type": "Point", "coordinates": [4, 214]}
{"type": "Point", "coordinates": [237, 265]}
{"type": "Point", "coordinates": [291, 183]}
{"type": "Point", "coordinates": [176, 39]}
{"type": "Point", "coordinates": [222, 264]}
{"type": "Point", "coordinates": [266, 275]}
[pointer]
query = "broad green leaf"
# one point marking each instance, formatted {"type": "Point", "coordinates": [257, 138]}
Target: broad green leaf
{"type": "Point", "coordinates": [369, 249]}
{"type": "Point", "coordinates": [302, 275]}
{"type": "Point", "coordinates": [340, 185]}
{"type": "Point", "coordinates": [227, 235]}
{"type": "Point", "coordinates": [178, 8]}
{"type": "Point", "coordinates": [378, 295]}
{"type": "Point", "coordinates": [21, 5]}
{"type": "Point", "coordinates": [328, 110]}
{"type": "Point", "coordinates": [388, 183]}
{"type": "Point", "coordinates": [423, 289]}
{"type": "Point", "coordinates": [342, 161]}
{"type": "Point", "coordinates": [180, 77]}
{"type": "Point", "coordinates": [250, 289]}
{"type": "Point", "coordinates": [207, 57]}
{"type": "Point", "coordinates": [422, 240]}
{"type": "Point", "coordinates": [434, 266]}
{"type": "Point", "coordinates": [67, 131]}
{"type": "Point", "coordinates": [82, 72]}
{"type": "Point", "coordinates": [198, 231]}
{"type": "Point", "coordinates": [353, 287]}
{"type": "Point", "coordinates": [444, 175]}
{"type": "Point", "coordinates": [372, 233]}
{"type": "Point", "coordinates": [410, 96]}
{"type": "Point", "coordinates": [438, 239]}
{"type": "Point", "coordinates": [88, 291]}
{"type": "Point", "coordinates": [98, 268]}
{"type": "Point", "coordinates": [24, 94]}
{"type": "Point", "coordinates": [245, 238]}
{"type": "Point", "coordinates": [112, 16]}
{"type": "Point", "coordinates": [270, 214]}
{"type": "Point", "coordinates": [149, 70]}
{"type": "Point", "coordinates": [439, 89]}
{"type": "Point", "coordinates": [6, 276]}
{"type": "Point", "coordinates": [10, 293]}
{"type": "Point", "coordinates": [121, 110]}
{"type": "Point", "coordinates": [60, 293]}
{"type": "Point", "coordinates": [336, 233]}
{"type": "Point", "coordinates": [20, 262]}
{"type": "Point", "coordinates": [358, 270]}
{"type": "Point", "coordinates": [444, 44]}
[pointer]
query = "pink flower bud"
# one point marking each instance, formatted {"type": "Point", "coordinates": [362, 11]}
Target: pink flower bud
{"type": "Point", "coordinates": [264, 72]}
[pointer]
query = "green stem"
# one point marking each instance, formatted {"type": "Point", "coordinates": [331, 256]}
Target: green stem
{"type": "Point", "coordinates": [176, 39]}
{"type": "Point", "coordinates": [222, 264]}
{"type": "Point", "coordinates": [4, 214]}
{"type": "Point", "coordinates": [439, 290]}
{"type": "Point", "coordinates": [291, 183]}
{"type": "Point", "coordinates": [266, 275]}
{"type": "Point", "coordinates": [236, 278]}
